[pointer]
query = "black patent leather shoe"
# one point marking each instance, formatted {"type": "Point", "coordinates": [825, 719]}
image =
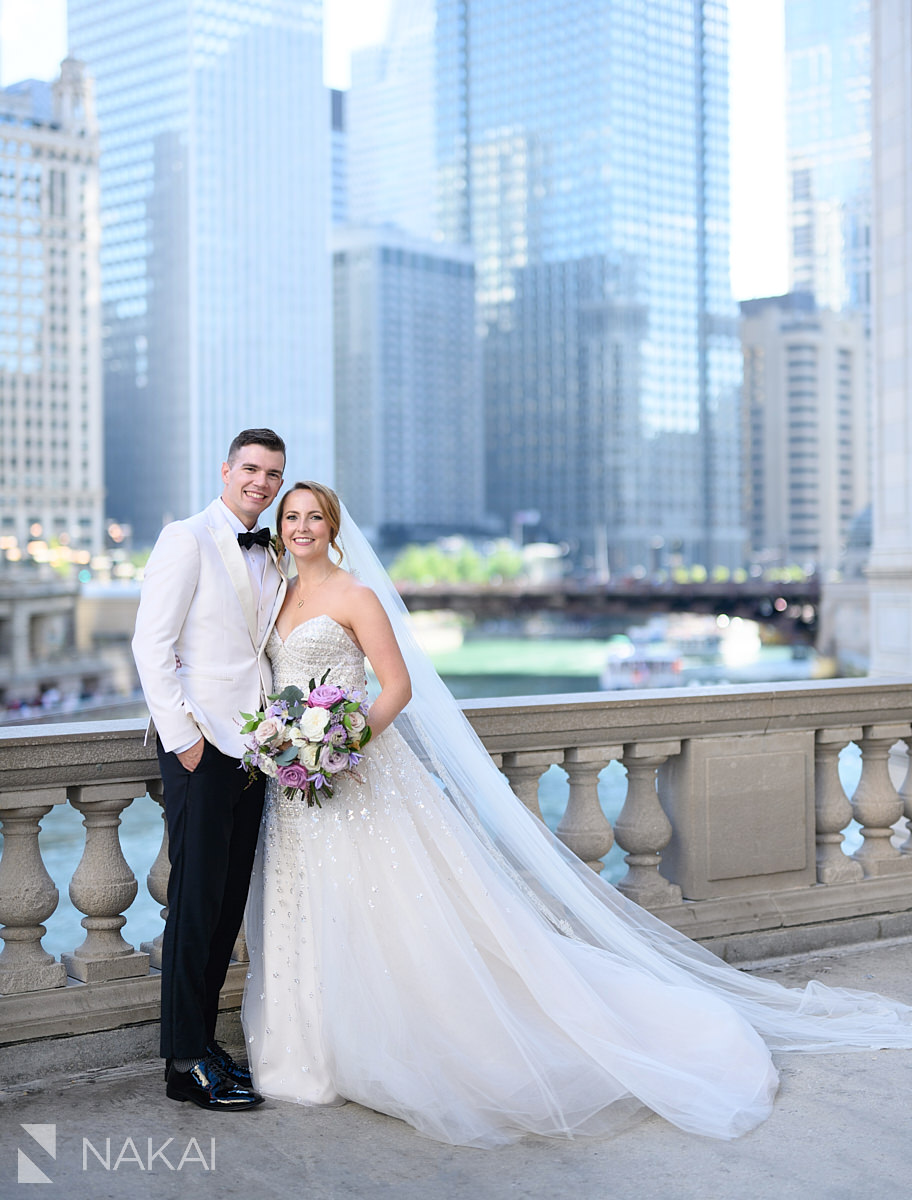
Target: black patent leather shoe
{"type": "Point", "coordinates": [232, 1068]}
{"type": "Point", "coordinates": [239, 1072]}
{"type": "Point", "coordinates": [208, 1086]}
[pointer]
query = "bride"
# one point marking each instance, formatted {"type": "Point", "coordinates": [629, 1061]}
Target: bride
{"type": "Point", "coordinates": [422, 945]}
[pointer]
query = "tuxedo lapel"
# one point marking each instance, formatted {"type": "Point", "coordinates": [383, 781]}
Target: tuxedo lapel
{"type": "Point", "coordinates": [233, 557]}
{"type": "Point", "coordinates": [277, 575]}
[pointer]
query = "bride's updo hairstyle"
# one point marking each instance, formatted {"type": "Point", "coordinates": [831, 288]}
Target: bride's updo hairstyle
{"type": "Point", "coordinates": [328, 504]}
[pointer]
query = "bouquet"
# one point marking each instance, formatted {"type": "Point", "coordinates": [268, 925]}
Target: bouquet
{"type": "Point", "coordinates": [306, 740]}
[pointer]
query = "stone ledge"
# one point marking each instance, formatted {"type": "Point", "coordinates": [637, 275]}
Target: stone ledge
{"type": "Point", "coordinates": [40, 1063]}
{"type": "Point", "coordinates": [753, 949]}
{"type": "Point", "coordinates": [768, 911]}
{"type": "Point", "coordinates": [91, 1008]}
{"type": "Point", "coordinates": [555, 722]}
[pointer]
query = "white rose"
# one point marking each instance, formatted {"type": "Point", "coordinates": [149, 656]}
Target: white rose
{"type": "Point", "coordinates": [313, 723]}
{"type": "Point", "coordinates": [356, 722]}
{"type": "Point", "coordinates": [267, 765]}
{"type": "Point", "coordinates": [307, 755]}
{"type": "Point", "coordinates": [268, 730]}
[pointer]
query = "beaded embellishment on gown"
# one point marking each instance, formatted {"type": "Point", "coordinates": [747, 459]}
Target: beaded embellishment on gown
{"type": "Point", "coordinates": [394, 962]}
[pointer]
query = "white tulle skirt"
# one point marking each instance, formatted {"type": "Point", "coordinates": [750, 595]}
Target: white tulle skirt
{"type": "Point", "coordinates": [394, 962]}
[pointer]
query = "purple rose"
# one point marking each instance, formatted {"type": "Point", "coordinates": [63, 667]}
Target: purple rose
{"type": "Point", "coordinates": [325, 696]}
{"type": "Point", "coordinates": [332, 760]}
{"type": "Point", "coordinates": [292, 775]}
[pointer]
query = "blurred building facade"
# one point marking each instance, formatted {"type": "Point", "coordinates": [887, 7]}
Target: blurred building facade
{"type": "Point", "coordinates": [581, 149]}
{"type": "Point", "coordinates": [805, 429]}
{"type": "Point", "coordinates": [392, 115]}
{"type": "Point", "coordinates": [828, 59]}
{"type": "Point", "coordinates": [890, 566]}
{"type": "Point", "coordinates": [339, 157]}
{"type": "Point", "coordinates": [51, 484]}
{"type": "Point", "coordinates": [408, 411]}
{"type": "Point", "coordinates": [215, 265]}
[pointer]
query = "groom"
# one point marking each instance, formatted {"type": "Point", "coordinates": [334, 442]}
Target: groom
{"type": "Point", "coordinates": [210, 596]}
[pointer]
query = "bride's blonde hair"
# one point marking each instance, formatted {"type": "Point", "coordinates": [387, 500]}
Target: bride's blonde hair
{"type": "Point", "coordinates": [328, 504]}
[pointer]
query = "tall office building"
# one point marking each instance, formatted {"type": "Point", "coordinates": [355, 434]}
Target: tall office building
{"type": "Point", "coordinates": [409, 433]}
{"type": "Point", "coordinates": [215, 261]}
{"type": "Point", "coordinates": [805, 437]}
{"type": "Point", "coordinates": [408, 411]}
{"type": "Point", "coordinates": [581, 149]}
{"type": "Point", "coordinates": [50, 339]}
{"type": "Point", "coordinates": [392, 111]}
{"type": "Point", "coordinates": [828, 56]}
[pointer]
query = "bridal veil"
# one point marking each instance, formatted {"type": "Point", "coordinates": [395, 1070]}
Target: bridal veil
{"type": "Point", "coordinates": [579, 903]}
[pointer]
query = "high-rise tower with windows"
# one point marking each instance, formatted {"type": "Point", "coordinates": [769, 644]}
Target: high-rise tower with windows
{"type": "Point", "coordinates": [581, 148]}
{"type": "Point", "coordinates": [805, 436]}
{"type": "Point", "coordinates": [50, 361]}
{"type": "Point", "coordinates": [828, 56]}
{"type": "Point", "coordinates": [215, 264]}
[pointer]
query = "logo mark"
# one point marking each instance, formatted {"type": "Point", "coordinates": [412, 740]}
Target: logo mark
{"type": "Point", "coordinates": [46, 1137]}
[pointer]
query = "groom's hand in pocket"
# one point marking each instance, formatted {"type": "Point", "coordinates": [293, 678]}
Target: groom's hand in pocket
{"type": "Point", "coordinates": [189, 759]}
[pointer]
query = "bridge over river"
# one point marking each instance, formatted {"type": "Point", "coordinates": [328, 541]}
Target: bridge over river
{"type": "Point", "coordinates": [793, 606]}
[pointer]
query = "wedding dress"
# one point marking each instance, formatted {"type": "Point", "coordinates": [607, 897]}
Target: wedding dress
{"type": "Point", "coordinates": [440, 957]}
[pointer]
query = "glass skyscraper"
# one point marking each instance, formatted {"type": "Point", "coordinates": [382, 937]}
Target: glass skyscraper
{"type": "Point", "coordinates": [581, 148]}
{"type": "Point", "coordinates": [408, 412]}
{"type": "Point", "coordinates": [215, 265]}
{"type": "Point", "coordinates": [828, 53]}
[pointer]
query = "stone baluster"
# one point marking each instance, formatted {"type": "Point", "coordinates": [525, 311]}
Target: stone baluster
{"type": "Point", "coordinates": [877, 804]}
{"type": "Point", "coordinates": [103, 887]}
{"type": "Point", "coordinates": [905, 796]}
{"type": "Point", "coordinates": [832, 808]}
{"type": "Point", "coordinates": [643, 829]}
{"type": "Point", "coordinates": [524, 768]}
{"type": "Point", "coordinates": [584, 828]}
{"type": "Point", "coordinates": [27, 894]}
{"type": "Point", "coordinates": [157, 879]}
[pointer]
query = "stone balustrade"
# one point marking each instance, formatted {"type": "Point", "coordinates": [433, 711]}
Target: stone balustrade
{"type": "Point", "coordinates": [732, 829]}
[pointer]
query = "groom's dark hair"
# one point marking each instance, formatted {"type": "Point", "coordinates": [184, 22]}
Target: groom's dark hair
{"type": "Point", "coordinates": [255, 437]}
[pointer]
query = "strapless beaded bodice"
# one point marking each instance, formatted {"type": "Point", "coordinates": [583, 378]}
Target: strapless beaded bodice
{"type": "Point", "coordinates": [309, 649]}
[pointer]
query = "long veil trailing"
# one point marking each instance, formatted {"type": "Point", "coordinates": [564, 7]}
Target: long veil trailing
{"type": "Point", "coordinates": [578, 902]}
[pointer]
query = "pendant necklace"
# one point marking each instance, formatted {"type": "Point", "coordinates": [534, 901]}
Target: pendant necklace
{"type": "Point", "coordinates": [313, 589]}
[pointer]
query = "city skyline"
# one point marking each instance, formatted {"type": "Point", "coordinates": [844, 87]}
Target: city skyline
{"type": "Point", "coordinates": [34, 40]}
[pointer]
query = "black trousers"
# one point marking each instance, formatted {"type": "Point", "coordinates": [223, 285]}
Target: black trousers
{"type": "Point", "coordinates": [213, 816]}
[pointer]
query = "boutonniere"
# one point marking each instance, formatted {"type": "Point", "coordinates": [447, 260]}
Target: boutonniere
{"type": "Point", "coordinates": [278, 546]}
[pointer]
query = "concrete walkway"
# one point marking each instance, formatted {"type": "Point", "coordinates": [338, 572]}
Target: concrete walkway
{"type": "Point", "coordinates": [841, 1130]}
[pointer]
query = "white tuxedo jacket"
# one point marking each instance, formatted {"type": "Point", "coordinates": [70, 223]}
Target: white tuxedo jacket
{"type": "Point", "coordinates": [198, 604]}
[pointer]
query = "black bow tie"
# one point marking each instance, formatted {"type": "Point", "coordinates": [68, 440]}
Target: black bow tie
{"type": "Point", "coordinates": [259, 537]}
